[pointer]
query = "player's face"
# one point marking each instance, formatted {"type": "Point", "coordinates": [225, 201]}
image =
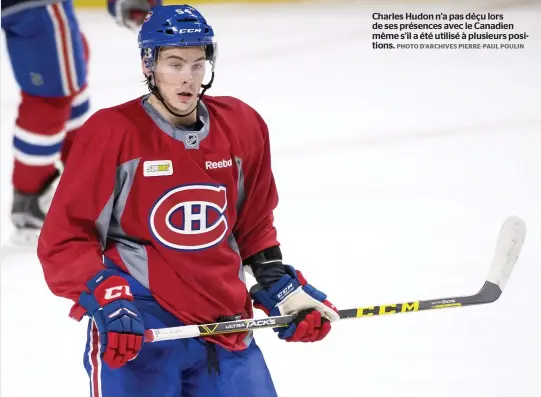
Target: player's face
{"type": "Point", "coordinates": [179, 74]}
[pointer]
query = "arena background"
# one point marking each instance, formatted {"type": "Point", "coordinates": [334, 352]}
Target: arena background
{"type": "Point", "coordinates": [395, 170]}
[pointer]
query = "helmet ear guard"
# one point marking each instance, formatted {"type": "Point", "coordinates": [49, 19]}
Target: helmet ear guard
{"type": "Point", "coordinates": [211, 53]}
{"type": "Point", "coordinates": [148, 57]}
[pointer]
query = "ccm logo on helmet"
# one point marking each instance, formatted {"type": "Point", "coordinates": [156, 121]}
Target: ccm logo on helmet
{"type": "Point", "coordinates": [190, 217]}
{"type": "Point", "coordinates": [190, 30]}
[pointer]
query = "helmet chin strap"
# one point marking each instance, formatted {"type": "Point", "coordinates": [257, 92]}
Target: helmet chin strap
{"type": "Point", "coordinates": [155, 90]}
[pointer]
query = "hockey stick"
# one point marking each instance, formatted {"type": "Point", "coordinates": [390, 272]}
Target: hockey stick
{"type": "Point", "coordinates": [508, 248]}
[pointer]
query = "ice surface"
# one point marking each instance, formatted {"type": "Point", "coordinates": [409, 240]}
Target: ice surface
{"type": "Point", "coordinates": [395, 169]}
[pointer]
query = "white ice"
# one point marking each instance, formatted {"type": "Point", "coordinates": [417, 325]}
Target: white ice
{"type": "Point", "coordinates": [395, 170]}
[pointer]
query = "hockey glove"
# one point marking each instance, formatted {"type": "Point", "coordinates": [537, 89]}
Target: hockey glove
{"type": "Point", "coordinates": [110, 304]}
{"type": "Point", "coordinates": [291, 294]}
{"type": "Point", "coordinates": [130, 13]}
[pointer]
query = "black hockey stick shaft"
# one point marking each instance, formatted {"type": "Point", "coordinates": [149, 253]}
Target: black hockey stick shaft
{"type": "Point", "coordinates": [489, 293]}
{"type": "Point", "coordinates": [508, 248]}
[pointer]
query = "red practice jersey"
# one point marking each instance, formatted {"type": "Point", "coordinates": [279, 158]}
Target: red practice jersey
{"type": "Point", "coordinates": [176, 210]}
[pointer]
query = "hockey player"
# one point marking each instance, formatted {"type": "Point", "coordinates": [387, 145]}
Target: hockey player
{"type": "Point", "coordinates": [165, 201]}
{"type": "Point", "coordinates": [49, 58]}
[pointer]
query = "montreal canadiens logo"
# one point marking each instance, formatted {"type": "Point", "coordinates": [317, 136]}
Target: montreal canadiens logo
{"type": "Point", "coordinates": [190, 217]}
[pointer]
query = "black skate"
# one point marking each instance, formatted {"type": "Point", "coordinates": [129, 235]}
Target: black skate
{"type": "Point", "coordinates": [28, 213]}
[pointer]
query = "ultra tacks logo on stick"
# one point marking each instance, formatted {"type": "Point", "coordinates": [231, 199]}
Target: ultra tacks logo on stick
{"type": "Point", "coordinates": [176, 26]}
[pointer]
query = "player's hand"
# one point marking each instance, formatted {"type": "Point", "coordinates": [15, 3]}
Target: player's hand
{"type": "Point", "coordinates": [130, 13]}
{"type": "Point", "coordinates": [120, 326]}
{"type": "Point", "coordinates": [291, 294]}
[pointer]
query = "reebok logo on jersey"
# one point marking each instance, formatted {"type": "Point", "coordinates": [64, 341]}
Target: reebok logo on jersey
{"type": "Point", "coordinates": [158, 168]}
{"type": "Point", "coordinates": [210, 165]}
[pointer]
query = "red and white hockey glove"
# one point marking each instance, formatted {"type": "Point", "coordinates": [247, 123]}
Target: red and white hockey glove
{"type": "Point", "coordinates": [130, 13]}
{"type": "Point", "coordinates": [110, 304]}
{"type": "Point", "coordinates": [291, 294]}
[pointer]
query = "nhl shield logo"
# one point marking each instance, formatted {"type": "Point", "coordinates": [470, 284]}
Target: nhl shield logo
{"type": "Point", "coordinates": [192, 139]}
{"type": "Point", "coordinates": [190, 217]}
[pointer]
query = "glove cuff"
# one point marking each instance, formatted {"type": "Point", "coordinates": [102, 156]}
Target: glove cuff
{"type": "Point", "coordinates": [105, 287]}
{"type": "Point", "coordinates": [279, 291]}
{"type": "Point", "coordinates": [308, 288]}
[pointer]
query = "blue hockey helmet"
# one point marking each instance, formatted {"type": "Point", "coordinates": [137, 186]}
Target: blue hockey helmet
{"type": "Point", "coordinates": [175, 25]}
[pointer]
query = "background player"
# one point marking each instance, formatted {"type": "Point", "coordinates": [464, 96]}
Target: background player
{"type": "Point", "coordinates": [49, 57]}
{"type": "Point", "coordinates": [178, 198]}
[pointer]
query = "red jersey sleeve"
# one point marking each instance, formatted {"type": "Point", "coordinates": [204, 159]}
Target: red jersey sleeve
{"type": "Point", "coordinates": [70, 246]}
{"type": "Point", "coordinates": [254, 229]}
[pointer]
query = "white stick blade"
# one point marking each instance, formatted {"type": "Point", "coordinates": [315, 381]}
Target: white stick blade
{"type": "Point", "coordinates": [507, 251]}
